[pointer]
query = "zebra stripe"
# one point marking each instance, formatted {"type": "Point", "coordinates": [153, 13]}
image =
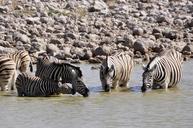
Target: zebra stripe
{"type": "Point", "coordinates": [115, 70]}
{"type": "Point", "coordinates": [22, 60]}
{"type": "Point", "coordinates": [63, 72]}
{"type": "Point", "coordinates": [7, 73]}
{"type": "Point", "coordinates": [28, 85]}
{"type": "Point", "coordinates": [163, 71]}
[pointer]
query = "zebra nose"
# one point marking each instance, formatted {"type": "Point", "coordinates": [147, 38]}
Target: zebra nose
{"type": "Point", "coordinates": [107, 88]}
{"type": "Point", "coordinates": [86, 95]}
{"type": "Point", "coordinates": [73, 91]}
{"type": "Point", "coordinates": [143, 88]}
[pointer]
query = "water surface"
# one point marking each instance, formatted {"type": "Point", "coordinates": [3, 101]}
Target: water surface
{"type": "Point", "coordinates": [118, 109]}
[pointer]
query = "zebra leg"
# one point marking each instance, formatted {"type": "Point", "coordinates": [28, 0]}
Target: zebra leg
{"type": "Point", "coordinates": [2, 88]}
{"type": "Point", "coordinates": [13, 81]}
{"type": "Point", "coordinates": [115, 84]}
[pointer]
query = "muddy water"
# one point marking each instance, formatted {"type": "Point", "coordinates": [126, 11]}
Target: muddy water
{"type": "Point", "coordinates": [118, 109]}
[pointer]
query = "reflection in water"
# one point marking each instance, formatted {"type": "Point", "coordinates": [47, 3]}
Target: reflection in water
{"type": "Point", "coordinates": [126, 108]}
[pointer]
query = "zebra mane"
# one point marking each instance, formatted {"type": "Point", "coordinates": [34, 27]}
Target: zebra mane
{"type": "Point", "coordinates": [152, 63]}
{"type": "Point", "coordinates": [108, 62]}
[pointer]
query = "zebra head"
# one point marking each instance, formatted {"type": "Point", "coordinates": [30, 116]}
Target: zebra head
{"type": "Point", "coordinates": [80, 87]}
{"type": "Point", "coordinates": [148, 78]}
{"type": "Point", "coordinates": [106, 77]}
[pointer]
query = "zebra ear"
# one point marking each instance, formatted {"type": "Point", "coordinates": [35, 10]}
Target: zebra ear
{"type": "Point", "coordinates": [102, 67]}
{"type": "Point", "coordinates": [112, 70]}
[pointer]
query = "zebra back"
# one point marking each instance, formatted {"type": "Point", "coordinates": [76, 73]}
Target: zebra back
{"type": "Point", "coordinates": [57, 71]}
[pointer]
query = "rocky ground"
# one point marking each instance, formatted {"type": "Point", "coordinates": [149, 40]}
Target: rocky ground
{"type": "Point", "coordinates": [87, 30]}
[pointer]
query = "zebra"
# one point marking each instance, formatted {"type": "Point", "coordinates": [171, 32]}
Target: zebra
{"type": "Point", "coordinates": [115, 70]}
{"type": "Point", "coordinates": [63, 72]}
{"type": "Point", "coordinates": [28, 85]}
{"type": "Point", "coordinates": [22, 62]}
{"type": "Point", "coordinates": [163, 71]}
{"type": "Point", "coordinates": [7, 72]}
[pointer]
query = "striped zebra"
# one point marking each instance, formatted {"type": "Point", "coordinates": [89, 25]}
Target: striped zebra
{"type": "Point", "coordinates": [115, 70]}
{"type": "Point", "coordinates": [7, 72]}
{"type": "Point", "coordinates": [22, 62]}
{"type": "Point", "coordinates": [28, 85]}
{"type": "Point", "coordinates": [63, 72]}
{"type": "Point", "coordinates": [163, 71]}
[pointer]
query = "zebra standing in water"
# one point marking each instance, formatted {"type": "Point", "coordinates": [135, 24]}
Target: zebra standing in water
{"type": "Point", "coordinates": [64, 72]}
{"type": "Point", "coordinates": [163, 71]}
{"type": "Point", "coordinates": [22, 61]}
{"type": "Point", "coordinates": [7, 72]}
{"type": "Point", "coordinates": [28, 85]}
{"type": "Point", "coordinates": [115, 70]}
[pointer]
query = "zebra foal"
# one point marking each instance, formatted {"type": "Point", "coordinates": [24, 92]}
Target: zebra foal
{"type": "Point", "coordinates": [28, 85]}
{"type": "Point", "coordinates": [163, 71]}
{"type": "Point", "coordinates": [115, 70]}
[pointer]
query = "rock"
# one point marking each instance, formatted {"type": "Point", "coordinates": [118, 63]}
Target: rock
{"type": "Point", "coordinates": [6, 50]}
{"type": "Point", "coordinates": [38, 45]}
{"type": "Point", "coordinates": [21, 37]}
{"type": "Point", "coordinates": [55, 41]}
{"type": "Point", "coordinates": [187, 50]}
{"type": "Point", "coordinates": [80, 44]}
{"type": "Point", "coordinates": [67, 52]}
{"type": "Point", "coordinates": [95, 67]}
{"type": "Point", "coordinates": [33, 20]}
{"type": "Point", "coordinates": [52, 49]}
{"type": "Point", "coordinates": [70, 35]}
{"type": "Point", "coordinates": [99, 5]}
{"type": "Point", "coordinates": [94, 60]}
{"type": "Point", "coordinates": [140, 47]}
{"type": "Point", "coordinates": [104, 50]}
{"type": "Point", "coordinates": [138, 31]}
{"type": "Point", "coordinates": [5, 44]}
{"type": "Point", "coordinates": [172, 35]}
{"type": "Point", "coordinates": [87, 54]}
{"type": "Point", "coordinates": [4, 9]}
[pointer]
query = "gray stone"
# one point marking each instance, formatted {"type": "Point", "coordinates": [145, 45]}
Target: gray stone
{"type": "Point", "coordinates": [99, 5]}
{"type": "Point", "coordinates": [138, 31]}
{"type": "Point", "coordinates": [104, 50]}
{"type": "Point", "coordinates": [52, 49]}
{"type": "Point", "coordinates": [140, 47]}
{"type": "Point", "coordinates": [188, 49]}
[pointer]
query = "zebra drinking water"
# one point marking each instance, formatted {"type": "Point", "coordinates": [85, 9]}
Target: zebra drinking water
{"type": "Point", "coordinates": [28, 85]}
{"type": "Point", "coordinates": [163, 71]}
{"type": "Point", "coordinates": [63, 72]}
{"type": "Point", "coordinates": [115, 70]}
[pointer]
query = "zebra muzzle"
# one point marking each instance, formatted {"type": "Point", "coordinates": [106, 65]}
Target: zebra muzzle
{"type": "Point", "coordinates": [106, 88]}
{"type": "Point", "coordinates": [143, 88]}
